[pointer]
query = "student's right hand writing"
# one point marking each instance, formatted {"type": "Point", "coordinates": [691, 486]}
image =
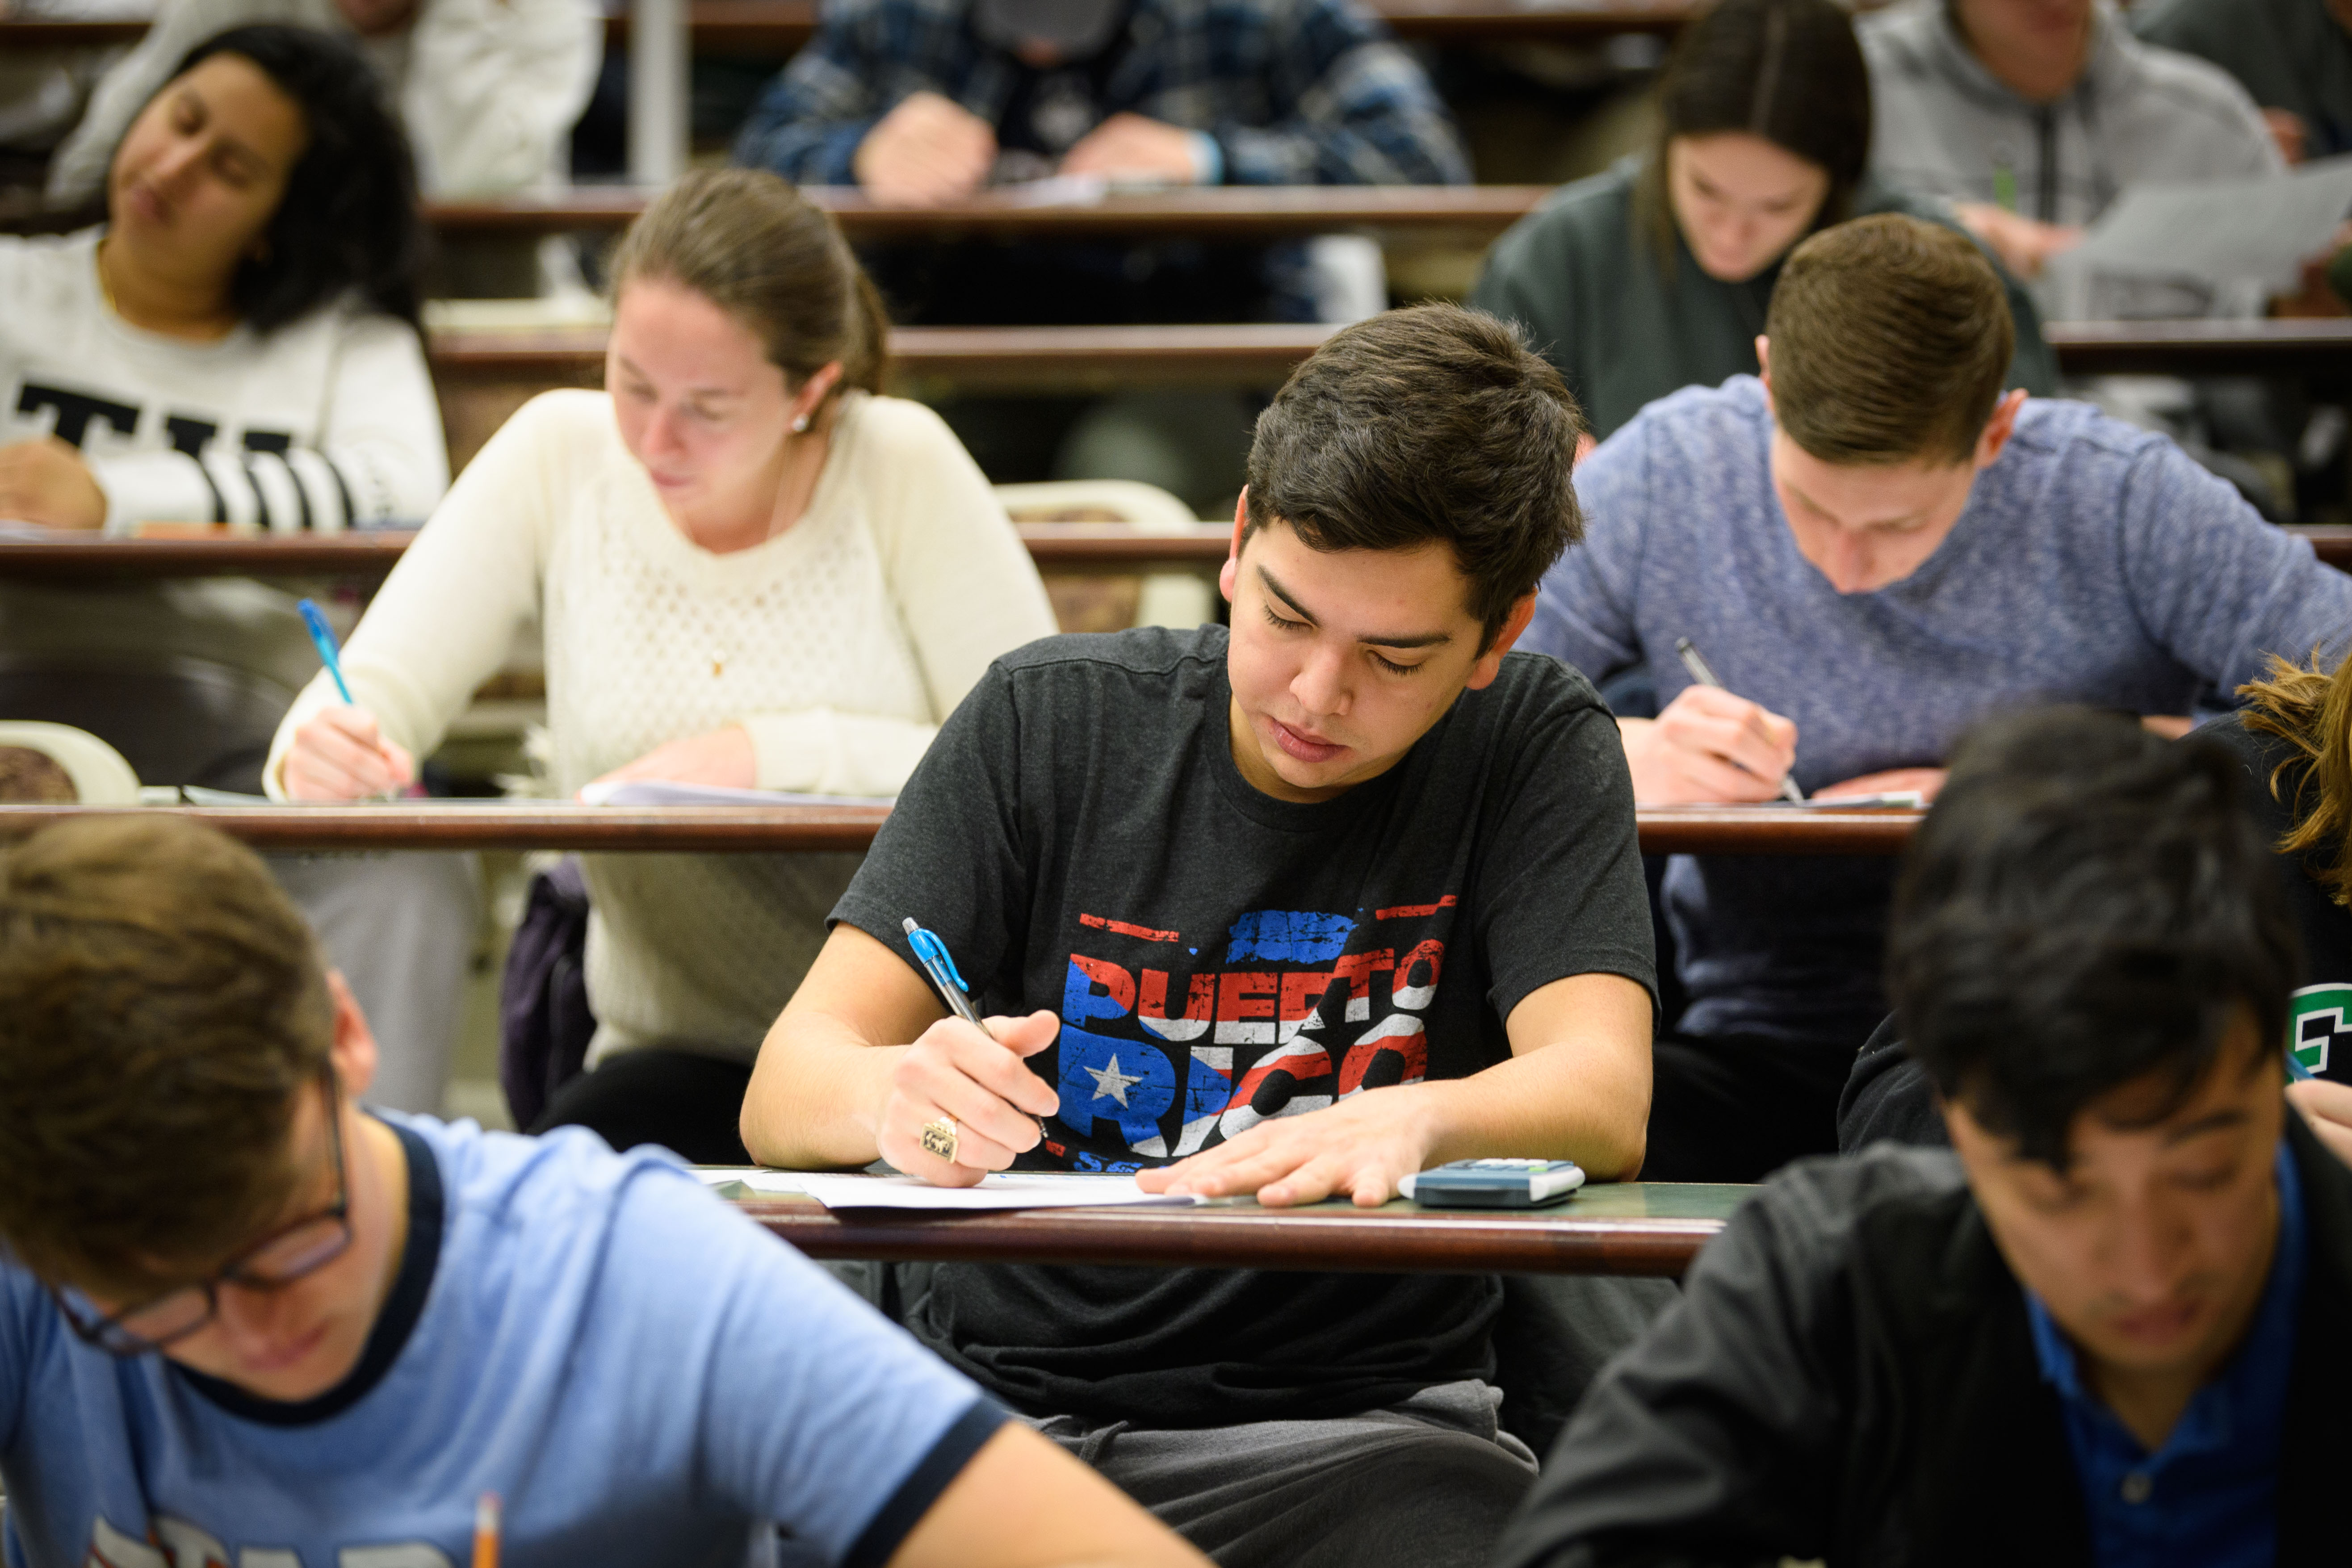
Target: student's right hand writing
{"type": "Point", "coordinates": [927, 150]}
{"type": "Point", "coordinates": [1708, 746]}
{"type": "Point", "coordinates": [339, 755]}
{"type": "Point", "coordinates": [983, 1083]}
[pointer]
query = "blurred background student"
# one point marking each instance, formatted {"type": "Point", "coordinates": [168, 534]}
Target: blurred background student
{"type": "Point", "coordinates": [1655, 274]}
{"type": "Point", "coordinates": [236, 343]}
{"type": "Point", "coordinates": [750, 569]}
{"type": "Point", "coordinates": [926, 104]}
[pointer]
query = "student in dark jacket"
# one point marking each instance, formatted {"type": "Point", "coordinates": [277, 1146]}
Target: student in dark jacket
{"type": "Point", "coordinates": [2293, 739]}
{"type": "Point", "coordinates": [1653, 275]}
{"type": "Point", "coordinates": [2101, 1329]}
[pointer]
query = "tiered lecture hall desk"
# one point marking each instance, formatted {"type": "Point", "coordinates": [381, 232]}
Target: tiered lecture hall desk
{"type": "Point", "coordinates": [1618, 1228]}
{"type": "Point", "coordinates": [775, 28]}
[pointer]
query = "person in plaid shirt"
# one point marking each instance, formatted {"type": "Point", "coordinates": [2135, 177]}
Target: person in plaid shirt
{"type": "Point", "coordinates": [927, 100]}
{"type": "Point", "coordinates": [924, 102]}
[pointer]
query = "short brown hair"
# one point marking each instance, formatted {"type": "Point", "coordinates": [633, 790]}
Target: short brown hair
{"type": "Point", "coordinates": [1432, 423]}
{"type": "Point", "coordinates": [752, 245]}
{"type": "Point", "coordinates": [2311, 710]}
{"type": "Point", "coordinates": [1891, 337]}
{"type": "Point", "coordinates": [162, 1007]}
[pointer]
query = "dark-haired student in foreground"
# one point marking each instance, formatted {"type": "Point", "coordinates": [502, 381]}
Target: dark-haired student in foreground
{"type": "Point", "coordinates": [1876, 547]}
{"type": "Point", "coordinates": [2294, 741]}
{"type": "Point", "coordinates": [1347, 891]}
{"type": "Point", "coordinates": [242, 1319]}
{"type": "Point", "coordinates": [2105, 1328]}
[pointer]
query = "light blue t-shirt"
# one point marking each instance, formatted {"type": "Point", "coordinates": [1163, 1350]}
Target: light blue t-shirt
{"type": "Point", "coordinates": [643, 1375]}
{"type": "Point", "coordinates": [2095, 563]}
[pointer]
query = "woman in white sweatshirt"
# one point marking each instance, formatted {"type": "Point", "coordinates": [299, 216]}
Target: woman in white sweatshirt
{"type": "Point", "coordinates": [750, 568]}
{"type": "Point", "coordinates": [236, 345]}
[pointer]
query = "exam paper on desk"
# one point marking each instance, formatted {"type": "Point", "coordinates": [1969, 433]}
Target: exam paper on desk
{"type": "Point", "coordinates": [668, 792]}
{"type": "Point", "coordinates": [995, 1192]}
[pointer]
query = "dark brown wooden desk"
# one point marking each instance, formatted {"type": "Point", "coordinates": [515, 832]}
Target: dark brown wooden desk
{"type": "Point", "coordinates": [1261, 355]}
{"type": "Point", "coordinates": [1237, 355]}
{"type": "Point", "coordinates": [776, 28]}
{"type": "Point", "coordinates": [785, 830]}
{"type": "Point", "coordinates": [2288, 348]}
{"type": "Point", "coordinates": [1236, 213]}
{"type": "Point", "coordinates": [1055, 546]}
{"type": "Point", "coordinates": [1650, 1228]}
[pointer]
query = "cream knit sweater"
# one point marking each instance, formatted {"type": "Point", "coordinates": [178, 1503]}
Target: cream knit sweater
{"type": "Point", "coordinates": [839, 644]}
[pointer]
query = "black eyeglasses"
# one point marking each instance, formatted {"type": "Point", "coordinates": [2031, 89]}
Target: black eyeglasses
{"type": "Point", "coordinates": [276, 1262]}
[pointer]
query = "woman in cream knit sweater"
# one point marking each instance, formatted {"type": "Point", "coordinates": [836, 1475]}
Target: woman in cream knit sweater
{"type": "Point", "coordinates": [750, 568]}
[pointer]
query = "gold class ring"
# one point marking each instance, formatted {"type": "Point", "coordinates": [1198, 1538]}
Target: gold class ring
{"type": "Point", "coordinates": [940, 1138]}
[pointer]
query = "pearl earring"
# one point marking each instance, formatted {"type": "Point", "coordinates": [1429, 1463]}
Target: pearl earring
{"type": "Point", "coordinates": [800, 424]}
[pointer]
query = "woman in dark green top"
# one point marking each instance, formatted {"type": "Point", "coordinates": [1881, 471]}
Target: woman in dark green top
{"type": "Point", "coordinates": [1655, 275]}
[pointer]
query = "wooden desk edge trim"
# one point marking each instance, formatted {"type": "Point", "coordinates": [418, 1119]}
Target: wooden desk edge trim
{"type": "Point", "coordinates": [752, 830]}
{"type": "Point", "coordinates": [1647, 1248]}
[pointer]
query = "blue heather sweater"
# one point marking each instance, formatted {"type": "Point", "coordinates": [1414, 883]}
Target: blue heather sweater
{"type": "Point", "coordinates": [2095, 564]}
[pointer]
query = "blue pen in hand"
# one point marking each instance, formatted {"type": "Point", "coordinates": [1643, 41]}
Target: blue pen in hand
{"type": "Point", "coordinates": [324, 635]}
{"type": "Point", "coordinates": [932, 954]}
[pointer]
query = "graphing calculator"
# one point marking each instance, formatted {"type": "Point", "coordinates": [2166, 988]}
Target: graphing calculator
{"type": "Point", "coordinates": [1495, 1184]}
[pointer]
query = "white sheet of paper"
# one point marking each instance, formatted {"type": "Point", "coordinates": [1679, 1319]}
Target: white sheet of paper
{"type": "Point", "coordinates": [2221, 231]}
{"type": "Point", "coordinates": [668, 792]}
{"type": "Point", "coordinates": [1041, 1190]}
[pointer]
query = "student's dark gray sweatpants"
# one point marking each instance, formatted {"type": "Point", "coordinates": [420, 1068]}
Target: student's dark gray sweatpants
{"type": "Point", "coordinates": [1425, 1484]}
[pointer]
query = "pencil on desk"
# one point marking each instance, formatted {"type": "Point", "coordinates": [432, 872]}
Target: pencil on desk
{"type": "Point", "coordinates": [486, 1530]}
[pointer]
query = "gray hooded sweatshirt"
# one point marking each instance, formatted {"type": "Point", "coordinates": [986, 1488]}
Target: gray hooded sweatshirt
{"type": "Point", "coordinates": [1944, 126]}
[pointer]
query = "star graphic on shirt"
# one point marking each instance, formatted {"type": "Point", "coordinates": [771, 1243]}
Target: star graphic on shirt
{"type": "Point", "coordinates": [1112, 1084]}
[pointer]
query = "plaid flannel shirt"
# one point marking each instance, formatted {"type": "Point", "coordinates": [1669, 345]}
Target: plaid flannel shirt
{"type": "Point", "coordinates": [1296, 92]}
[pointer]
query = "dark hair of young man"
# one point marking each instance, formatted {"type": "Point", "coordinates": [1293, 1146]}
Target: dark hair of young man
{"type": "Point", "coordinates": [1890, 339]}
{"type": "Point", "coordinates": [1790, 72]}
{"type": "Point", "coordinates": [1429, 423]}
{"type": "Point", "coordinates": [162, 1007]}
{"type": "Point", "coordinates": [347, 222]}
{"type": "Point", "coordinates": [2086, 905]}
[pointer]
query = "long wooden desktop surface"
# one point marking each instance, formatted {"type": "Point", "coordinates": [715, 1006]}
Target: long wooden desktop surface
{"type": "Point", "coordinates": [1057, 546]}
{"type": "Point", "coordinates": [1264, 354]}
{"type": "Point", "coordinates": [788, 830]}
{"type": "Point", "coordinates": [1230, 213]}
{"type": "Point", "coordinates": [775, 28]}
{"type": "Point", "coordinates": [1650, 1229]}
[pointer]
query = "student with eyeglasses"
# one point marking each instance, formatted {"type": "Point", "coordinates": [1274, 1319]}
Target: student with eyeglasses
{"type": "Point", "coordinates": [242, 1319]}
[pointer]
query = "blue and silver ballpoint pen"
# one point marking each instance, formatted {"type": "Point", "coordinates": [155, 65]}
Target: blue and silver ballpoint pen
{"type": "Point", "coordinates": [324, 635]}
{"type": "Point", "coordinates": [932, 954]}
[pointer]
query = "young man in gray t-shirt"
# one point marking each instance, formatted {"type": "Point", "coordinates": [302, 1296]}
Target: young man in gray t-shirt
{"type": "Point", "coordinates": [1876, 546]}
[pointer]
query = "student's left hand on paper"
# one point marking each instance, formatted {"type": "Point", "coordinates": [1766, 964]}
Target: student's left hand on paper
{"type": "Point", "coordinates": [1927, 781]}
{"type": "Point", "coordinates": [1360, 1148]}
{"type": "Point", "coordinates": [45, 481]}
{"type": "Point", "coordinates": [2327, 1108]}
{"type": "Point", "coordinates": [720, 757]}
{"type": "Point", "coordinates": [1127, 145]}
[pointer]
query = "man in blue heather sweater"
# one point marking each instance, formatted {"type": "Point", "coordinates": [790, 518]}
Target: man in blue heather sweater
{"type": "Point", "coordinates": [1876, 547]}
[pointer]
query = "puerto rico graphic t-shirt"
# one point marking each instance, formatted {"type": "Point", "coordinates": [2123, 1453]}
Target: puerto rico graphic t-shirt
{"type": "Point", "coordinates": [1080, 837]}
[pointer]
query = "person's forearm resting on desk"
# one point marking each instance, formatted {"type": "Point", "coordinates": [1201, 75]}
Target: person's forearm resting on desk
{"type": "Point", "coordinates": [832, 1087]}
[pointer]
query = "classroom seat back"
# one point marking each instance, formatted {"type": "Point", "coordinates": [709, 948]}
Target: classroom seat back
{"type": "Point", "coordinates": [1107, 601]}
